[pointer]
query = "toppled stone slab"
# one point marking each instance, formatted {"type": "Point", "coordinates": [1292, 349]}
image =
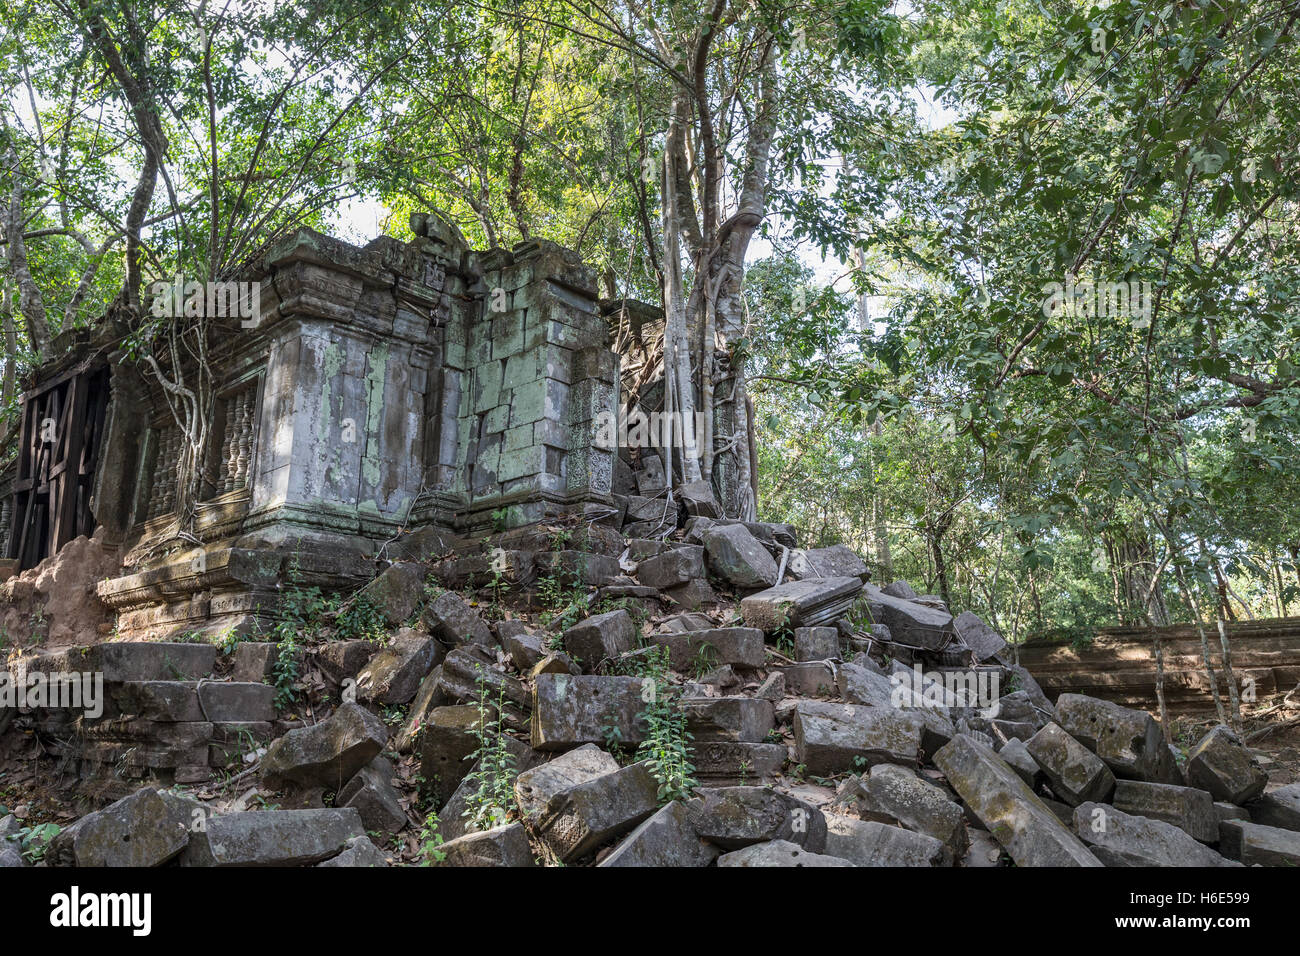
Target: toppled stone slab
{"type": "Point", "coordinates": [868, 843]}
{"type": "Point", "coordinates": [739, 646]}
{"type": "Point", "coordinates": [736, 556]}
{"type": "Point", "coordinates": [742, 719]}
{"type": "Point", "coordinates": [778, 853]}
{"type": "Point", "coordinates": [1076, 774]}
{"type": "Point", "coordinates": [340, 660]}
{"type": "Point", "coordinates": [1187, 808]}
{"type": "Point", "coordinates": [397, 591]}
{"type": "Point", "coordinates": [236, 702]}
{"type": "Point", "coordinates": [394, 674]}
{"type": "Point", "coordinates": [601, 637]}
{"type": "Point", "coordinates": [830, 738]}
{"type": "Point", "coordinates": [723, 763]}
{"type": "Point", "coordinates": [358, 852]}
{"type": "Point", "coordinates": [837, 561]}
{"type": "Point", "coordinates": [501, 846]}
{"type": "Point", "coordinates": [272, 838]}
{"type": "Point", "coordinates": [816, 643]}
{"type": "Point", "coordinates": [140, 830]}
{"type": "Point", "coordinates": [733, 817]}
{"type": "Point", "coordinates": [1279, 808]}
{"type": "Point", "coordinates": [579, 819]}
{"type": "Point", "coordinates": [1020, 760]}
{"type": "Point", "coordinates": [372, 794]}
{"type": "Point", "coordinates": [671, 568]}
{"type": "Point", "coordinates": [1255, 843]}
{"type": "Point", "coordinates": [665, 839]}
{"type": "Point", "coordinates": [910, 623]}
{"type": "Point", "coordinates": [535, 786]}
{"type": "Point", "coordinates": [1129, 741]}
{"type": "Point", "coordinates": [1120, 839]}
{"type": "Point", "coordinates": [811, 679]}
{"type": "Point", "coordinates": [916, 805]}
{"type": "Point", "coordinates": [570, 710]}
{"type": "Point", "coordinates": [995, 794]}
{"type": "Point", "coordinates": [983, 641]}
{"type": "Point", "coordinates": [449, 618]}
{"type": "Point", "coordinates": [327, 754]}
{"type": "Point", "coordinates": [808, 603]}
{"type": "Point", "coordinates": [1220, 765]}
{"type": "Point", "coordinates": [446, 740]}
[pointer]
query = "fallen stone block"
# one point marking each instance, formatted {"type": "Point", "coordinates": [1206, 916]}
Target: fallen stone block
{"type": "Point", "coordinates": [910, 623]}
{"type": "Point", "coordinates": [733, 817]}
{"type": "Point", "coordinates": [501, 846]}
{"type": "Point", "coordinates": [834, 738]}
{"type": "Point", "coordinates": [736, 556]}
{"type": "Point", "coordinates": [1279, 808]}
{"type": "Point", "coordinates": [394, 674]}
{"type": "Point", "coordinates": [778, 853]}
{"type": "Point", "coordinates": [837, 561]}
{"type": "Point", "coordinates": [916, 805]}
{"type": "Point", "coordinates": [1220, 765]}
{"type": "Point", "coordinates": [602, 637]}
{"type": "Point", "coordinates": [467, 674]}
{"type": "Point", "coordinates": [740, 646]}
{"type": "Point", "coordinates": [665, 839]}
{"type": "Point", "coordinates": [1187, 808]}
{"type": "Point", "coordinates": [272, 838]}
{"type": "Point", "coordinates": [535, 786]}
{"type": "Point", "coordinates": [983, 641]}
{"type": "Point", "coordinates": [236, 702]}
{"type": "Point", "coordinates": [327, 754]}
{"type": "Point", "coordinates": [340, 660]}
{"type": "Point", "coordinates": [772, 688]}
{"type": "Point", "coordinates": [1000, 800]}
{"type": "Point", "coordinates": [569, 710]}
{"type": "Point", "coordinates": [816, 643]}
{"type": "Point", "coordinates": [397, 591]}
{"type": "Point", "coordinates": [1121, 839]}
{"type": "Point", "coordinates": [868, 843]}
{"type": "Point", "coordinates": [525, 649]}
{"type": "Point", "coordinates": [742, 719]}
{"type": "Point", "coordinates": [671, 568]}
{"type": "Point", "coordinates": [1255, 843]}
{"type": "Point", "coordinates": [358, 851]}
{"type": "Point", "coordinates": [372, 794]}
{"type": "Point", "coordinates": [463, 812]}
{"type": "Point", "coordinates": [446, 741]}
{"type": "Point", "coordinates": [140, 830]}
{"type": "Point", "coordinates": [1020, 760]}
{"type": "Point", "coordinates": [1075, 773]}
{"type": "Point", "coordinates": [807, 603]}
{"type": "Point", "coordinates": [723, 763]}
{"type": "Point", "coordinates": [811, 679]}
{"type": "Point", "coordinates": [450, 619]}
{"type": "Point", "coordinates": [579, 819]}
{"type": "Point", "coordinates": [1128, 741]}
{"type": "Point", "coordinates": [692, 595]}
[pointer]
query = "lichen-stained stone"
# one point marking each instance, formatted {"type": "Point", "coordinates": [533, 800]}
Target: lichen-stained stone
{"type": "Point", "coordinates": [570, 710]}
{"type": "Point", "coordinates": [833, 738]}
{"type": "Point", "coordinates": [1129, 741]}
{"type": "Point", "coordinates": [327, 754]}
{"type": "Point", "coordinates": [1220, 765]}
{"type": "Point", "coordinates": [1076, 774]}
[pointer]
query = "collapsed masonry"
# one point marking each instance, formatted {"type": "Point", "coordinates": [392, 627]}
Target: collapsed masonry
{"type": "Point", "coordinates": [382, 398]}
{"type": "Point", "coordinates": [831, 722]}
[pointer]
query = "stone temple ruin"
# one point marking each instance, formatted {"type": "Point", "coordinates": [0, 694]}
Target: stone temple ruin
{"type": "Point", "coordinates": [383, 397]}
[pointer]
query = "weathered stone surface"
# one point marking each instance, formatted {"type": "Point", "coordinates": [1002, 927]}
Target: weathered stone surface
{"type": "Point", "coordinates": [327, 754]}
{"type": "Point", "coordinates": [601, 637]}
{"type": "Point", "coordinates": [501, 846]}
{"type": "Point", "coordinates": [1189, 809]}
{"type": "Point", "coordinates": [910, 623]}
{"type": "Point", "coordinates": [11, 856]}
{"type": "Point", "coordinates": [1120, 839]}
{"type": "Point", "coordinates": [569, 710]}
{"type": "Point", "coordinates": [466, 674]}
{"type": "Point", "coordinates": [394, 674]}
{"type": "Point", "coordinates": [868, 843]}
{"type": "Point", "coordinates": [372, 794]}
{"type": "Point", "coordinates": [743, 719]}
{"type": "Point", "coordinates": [525, 649]}
{"type": "Point", "coordinates": [453, 817]}
{"type": "Point", "coordinates": [123, 661]}
{"type": "Point", "coordinates": [139, 830]}
{"type": "Point", "coordinates": [1220, 765]}
{"type": "Point", "coordinates": [450, 619]}
{"type": "Point", "coordinates": [579, 819]}
{"type": "Point", "coordinates": [671, 568]}
{"type": "Point", "coordinates": [741, 646]}
{"type": "Point", "coordinates": [1255, 843]}
{"type": "Point", "coordinates": [535, 786]}
{"type": "Point", "coordinates": [697, 498]}
{"type": "Point", "coordinates": [917, 805]}
{"type": "Point", "coordinates": [236, 702]}
{"type": "Point", "coordinates": [736, 556]}
{"type": "Point", "coordinates": [446, 740]}
{"type": "Point", "coordinates": [343, 659]}
{"type": "Point", "coordinates": [829, 737]}
{"type": "Point", "coordinates": [692, 595]}
{"type": "Point", "coordinates": [665, 839]}
{"type": "Point", "coordinates": [996, 795]}
{"type": "Point", "coordinates": [816, 643]}
{"type": "Point", "coordinates": [1129, 741]}
{"type": "Point", "coordinates": [900, 589]}
{"type": "Point", "coordinates": [254, 660]}
{"type": "Point", "coordinates": [728, 763]}
{"type": "Point", "coordinates": [778, 853]}
{"type": "Point", "coordinates": [837, 561]}
{"type": "Point", "coordinates": [1230, 811]}
{"type": "Point", "coordinates": [397, 591]}
{"type": "Point", "coordinates": [272, 838]}
{"type": "Point", "coordinates": [811, 679]}
{"type": "Point", "coordinates": [358, 851]}
{"type": "Point", "coordinates": [1020, 760]}
{"type": "Point", "coordinates": [983, 641]}
{"type": "Point", "coordinates": [1075, 773]}
{"type": "Point", "coordinates": [1279, 808]}
{"type": "Point", "coordinates": [733, 817]}
{"type": "Point", "coordinates": [772, 688]}
{"type": "Point", "coordinates": [164, 701]}
{"type": "Point", "coordinates": [807, 603]}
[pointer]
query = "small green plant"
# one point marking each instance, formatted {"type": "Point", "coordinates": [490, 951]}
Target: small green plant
{"type": "Point", "coordinates": [431, 841]}
{"type": "Point", "coordinates": [706, 658]}
{"type": "Point", "coordinates": [493, 778]}
{"type": "Point", "coordinates": [500, 519]}
{"type": "Point", "coordinates": [666, 744]}
{"type": "Point", "coordinates": [35, 841]}
{"type": "Point", "coordinates": [228, 641]}
{"type": "Point", "coordinates": [284, 672]}
{"type": "Point", "coordinates": [361, 619]}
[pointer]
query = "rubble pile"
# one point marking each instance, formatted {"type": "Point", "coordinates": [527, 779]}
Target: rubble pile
{"type": "Point", "coordinates": [715, 695]}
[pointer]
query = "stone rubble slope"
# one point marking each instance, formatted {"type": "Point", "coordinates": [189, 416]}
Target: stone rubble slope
{"type": "Point", "coordinates": [831, 722]}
